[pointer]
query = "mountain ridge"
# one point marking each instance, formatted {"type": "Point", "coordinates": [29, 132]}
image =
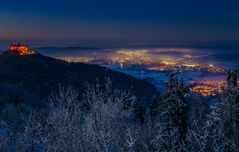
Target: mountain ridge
{"type": "Point", "coordinates": [40, 75]}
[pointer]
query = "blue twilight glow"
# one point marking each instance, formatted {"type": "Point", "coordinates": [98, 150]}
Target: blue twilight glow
{"type": "Point", "coordinates": [127, 21]}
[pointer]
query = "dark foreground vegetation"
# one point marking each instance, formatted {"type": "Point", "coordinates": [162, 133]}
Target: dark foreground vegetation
{"type": "Point", "coordinates": [106, 119]}
{"type": "Point", "coordinates": [30, 79]}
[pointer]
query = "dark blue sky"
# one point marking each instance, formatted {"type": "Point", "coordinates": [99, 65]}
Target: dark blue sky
{"type": "Point", "coordinates": [149, 21]}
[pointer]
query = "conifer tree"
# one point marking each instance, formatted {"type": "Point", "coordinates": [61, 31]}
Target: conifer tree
{"type": "Point", "coordinates": [154, 107]}
{"type": "Point", "coordinates": [174, 106]}
{"type": "Point", "coordinates": [222, 126]}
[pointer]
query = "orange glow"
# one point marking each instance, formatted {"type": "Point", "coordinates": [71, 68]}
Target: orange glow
{"type": "Point", "coordinates": [159, 60]}
{"type": "Point", "coordinates": [208, 87]}
{"type": "Point", "coordinates": [20, 49]}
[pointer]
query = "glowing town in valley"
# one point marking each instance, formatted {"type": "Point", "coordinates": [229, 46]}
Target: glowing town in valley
{"type": "Point", "coordinates": [162, 60]}
{"type": "Point", "coordinates": [152, 64]}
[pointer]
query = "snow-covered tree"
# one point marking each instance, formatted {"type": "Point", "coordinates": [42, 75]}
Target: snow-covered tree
{"type": "Point", "coordinates": [222, 127]}
{"type": "Point", "coordinates": [174, 106]}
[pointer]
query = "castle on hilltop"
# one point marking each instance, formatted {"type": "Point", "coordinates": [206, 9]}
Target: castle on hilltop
{"type": "Point", "coordinates": [21, 49]}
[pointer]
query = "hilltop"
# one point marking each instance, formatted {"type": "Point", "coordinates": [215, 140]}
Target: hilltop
{"type": "Point", "coordinates": [30, 78]}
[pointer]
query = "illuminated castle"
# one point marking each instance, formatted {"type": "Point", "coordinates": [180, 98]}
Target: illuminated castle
{"type": "Point", "coordinates": [20, 49]}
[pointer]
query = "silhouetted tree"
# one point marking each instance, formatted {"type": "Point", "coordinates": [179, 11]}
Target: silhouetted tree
{"type": "Point", "coordinates": [174, 106]}
{"type": "Point", "coordinates": [140, 111]}
{"type": "Point", "coordinates": [222, 126]}
{"type": "Point", "coordinates": [232, 78]}
{"type": "Point", "coordinates": [154, 106]}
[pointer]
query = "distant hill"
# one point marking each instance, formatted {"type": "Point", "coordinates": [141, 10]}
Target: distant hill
{"type": "Point", "coordinates": [63, 50]}
{"type": "Point", "coordinates": [31, 78]}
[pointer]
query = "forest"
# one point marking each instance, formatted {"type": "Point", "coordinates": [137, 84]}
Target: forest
{"type": "Point", "coordinates": [106, 119]}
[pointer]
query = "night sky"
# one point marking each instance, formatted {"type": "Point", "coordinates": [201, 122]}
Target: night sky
{"type": "Point", "coordinates": [141, 21]}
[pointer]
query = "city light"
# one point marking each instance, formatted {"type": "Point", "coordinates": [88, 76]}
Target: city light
{"type": "Point", "coordinates": [208, 87]}
{"type": "Point", "coordinates": [158, 61]}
